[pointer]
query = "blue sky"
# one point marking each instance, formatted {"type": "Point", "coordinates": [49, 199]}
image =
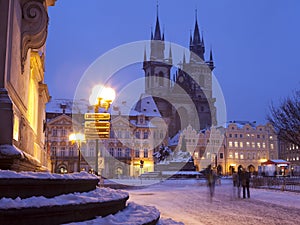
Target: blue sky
{"type": "Point", "coordinates": [255, 43]}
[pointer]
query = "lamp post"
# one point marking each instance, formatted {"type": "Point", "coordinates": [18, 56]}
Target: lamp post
{"type": "Point", "coordinates": [101, 97]}
{"type": "Point", "coordinates": [78, 138]}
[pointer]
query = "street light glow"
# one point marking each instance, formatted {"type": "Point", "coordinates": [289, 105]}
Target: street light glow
{"type": "Point", "coordinates": [104, 94]}
{"type": "Point", "coordinates": [76, 137]}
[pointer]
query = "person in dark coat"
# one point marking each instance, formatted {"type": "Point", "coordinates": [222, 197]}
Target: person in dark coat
{"type": "Point", "coordinates": [211, 181]}
{"type": "Point", "coordinates": [246, 183]}
{"type": "Point", "coordinates": [239, 180]}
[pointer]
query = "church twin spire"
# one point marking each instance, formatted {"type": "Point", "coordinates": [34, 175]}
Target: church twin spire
{"type": "Point", "coordinates": [197, 45]}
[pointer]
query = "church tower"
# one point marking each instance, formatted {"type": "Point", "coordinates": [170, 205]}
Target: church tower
{"type": "Point", "coordinates": [186, 99]}
{"type": "Point", "coordinates": [157, 69]}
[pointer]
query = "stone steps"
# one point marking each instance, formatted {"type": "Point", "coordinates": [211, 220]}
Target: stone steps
{"type": "Point", "coordinates": [23, 206]}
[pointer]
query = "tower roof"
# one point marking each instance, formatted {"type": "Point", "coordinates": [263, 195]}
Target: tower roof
{"type": "Point", "coordinates": [157, 33]}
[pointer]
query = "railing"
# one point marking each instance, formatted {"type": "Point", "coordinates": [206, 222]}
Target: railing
{"type": "Point", "coordinates": [278, 183]}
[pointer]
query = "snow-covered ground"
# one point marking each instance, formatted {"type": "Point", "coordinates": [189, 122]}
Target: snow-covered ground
{"type": "Point", "coordinates": [187, 201]}
{"type": "Point", "coordinates": [181, 200]}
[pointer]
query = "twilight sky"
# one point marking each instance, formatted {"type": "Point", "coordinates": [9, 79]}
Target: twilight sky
{"type": "Point", "coordinates": [255, 44]}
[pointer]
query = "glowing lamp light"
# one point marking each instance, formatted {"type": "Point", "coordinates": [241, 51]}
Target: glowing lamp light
{"type": "Point", "coordinates": [105, 94]}
{"type": "Point", "coordinates": [76, 137]}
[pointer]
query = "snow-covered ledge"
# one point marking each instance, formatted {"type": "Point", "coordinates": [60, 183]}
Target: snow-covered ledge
{"type": "Point", "coordinates": [27, 184]}
{"type": "Point", "coordinates": [62, 209]}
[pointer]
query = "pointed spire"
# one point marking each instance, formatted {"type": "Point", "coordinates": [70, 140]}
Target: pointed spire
{"type": "Point", "coordinates": [196, 39]}
{"type": "Point", "coordinates": [151, 33]}
{"type": "Point", "coordinates": [211, 60]}
{"type": "Point", "coordinates": [202, 42]}
{"type": "Point", "coordinates": [157, 34]}
{"type": "Point", "coordinates": [211, 55]}
{"type": "Point", "coordinates": [170, 55]}
{"type": "Point", "coordinates": [191, 39]}
{"type": "Point", "coordinates": [184, 61]}
{"type": "Point", "coordinates": [145, 54]}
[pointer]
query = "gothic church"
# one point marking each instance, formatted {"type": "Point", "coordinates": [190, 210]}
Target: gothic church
{"type": "Point", "coordinates": [184, 98]}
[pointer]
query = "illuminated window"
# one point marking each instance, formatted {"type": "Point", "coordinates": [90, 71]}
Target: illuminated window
{"type": "Point", "coordinates": [258, 145]}
{"type": "Point", "coordinates": [241, 144]}
{"type": "Point", "coordinates": [241, 156]}
{"type": "Point", "coordinates": [248, 144]}
{"type": "Point", "coordinates": [271, 137]}
{"type": "Point", "coordinates": [230, 155]}
{"type": "Point", "coordinates": [253, 144]}
{"type": "Point", "coordinates": [230, 143]}
{"type": "Point", "coordinates": [272, 146]}
{"type": "Point", "coordinates": [236, 144]}
{"type": "Point", "coordinates": [196, 155]}
{"type": "Point", "coordinates": [264, 145]}
{"type": "Point", "coordinates": [236, 155]}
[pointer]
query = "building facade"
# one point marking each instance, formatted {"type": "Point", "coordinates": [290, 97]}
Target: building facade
{"type": "Point", "coordinates": [23, 93]}
{"type": "Point", "coordinates": [291, 153]}
{"type": "Point", "coordinates": [239, 143]}
{"type": "Point", "coordinates": [133, 137]}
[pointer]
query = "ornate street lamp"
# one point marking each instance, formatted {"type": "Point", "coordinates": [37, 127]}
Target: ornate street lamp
{"type": "Point", "coordinates": [78, 138]}
{"type": "Point", "coordinates": [101, 97]}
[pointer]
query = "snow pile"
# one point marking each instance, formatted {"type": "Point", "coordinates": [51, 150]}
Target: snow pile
{"type": "Point", "coordinates": [97, 195]}
{"type": "Point", "coordinates": [45, 175]}
{"type": "Point", "coordinates": [132, 214]}
{"type": "Point", "coordinates": [168, 222]}
{"type": "Point", "coordinates": [9, 150]}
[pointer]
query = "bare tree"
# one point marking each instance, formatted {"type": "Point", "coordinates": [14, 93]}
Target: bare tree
{"type": "Point", "coordinates": [286, 119]}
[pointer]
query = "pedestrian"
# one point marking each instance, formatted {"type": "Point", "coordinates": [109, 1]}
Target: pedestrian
{"type": "Point", "coordinates": [211, 181]}
{"type": "Point", "coordinates": [234, 182]}
{"type": "Point", "coordinates": [239, 181]}
{"type": "Point", "coordinates": [246, 183]}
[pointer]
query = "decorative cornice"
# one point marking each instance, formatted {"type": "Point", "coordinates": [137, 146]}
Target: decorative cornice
{"type": "Point", "coordinates": [33, 28]}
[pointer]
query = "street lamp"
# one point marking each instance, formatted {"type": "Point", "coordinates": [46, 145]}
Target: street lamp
{"type": "Point", "coordinates": [101, 97]}
{"type": "Point", "coordinates": [78, 138]}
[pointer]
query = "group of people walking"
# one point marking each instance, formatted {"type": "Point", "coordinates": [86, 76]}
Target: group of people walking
{"type": "Point", "coordinates": [241, 180]}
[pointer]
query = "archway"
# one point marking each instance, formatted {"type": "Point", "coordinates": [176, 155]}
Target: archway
{"type": "Point", "coordinates": [62, 169]}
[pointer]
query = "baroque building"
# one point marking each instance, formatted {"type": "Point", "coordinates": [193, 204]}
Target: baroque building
{"type": "Point", "coordinates": [23, 93]}
{"type": "Point", "coordinates": [239, 143]}
{"type": "Point", "coordinates": [134, 137]}
{"type": "Point", "coordinates": [185, 97]}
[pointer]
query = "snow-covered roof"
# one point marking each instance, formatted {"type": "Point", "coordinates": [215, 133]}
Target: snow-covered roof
{"type": "Point", "coordinates": [147, 106]}
{"type": "Point", "coordinates": [175, 139]}
{"type": "Point", "coordinates": [70, 105]}
{"type": "Point", "coordinates": [147, 124]}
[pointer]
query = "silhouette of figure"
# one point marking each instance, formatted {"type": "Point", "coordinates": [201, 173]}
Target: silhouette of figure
{"type": "Point", "coordinates": [246, 183]}
{"type": "Point", "coordinates": [211, 181]}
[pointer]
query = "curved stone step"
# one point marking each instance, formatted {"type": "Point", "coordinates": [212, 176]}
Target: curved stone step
{"type": "Point", "coordinates": [132, 214]}
{"type": "Point", "coordinates": [62, 209]}
{"type": "Point", "coordinates": [28, 184]}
